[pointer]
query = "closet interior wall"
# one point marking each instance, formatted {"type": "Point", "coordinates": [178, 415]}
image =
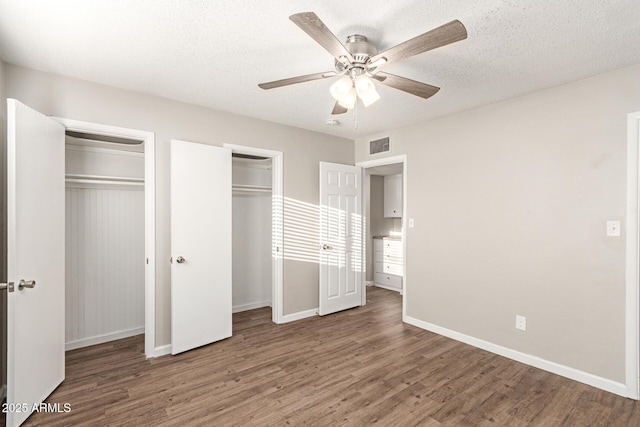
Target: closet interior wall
{"type": "Point", "coordinates": [105, 254]}
{"type": "Point", "coordinates": [251, 234]}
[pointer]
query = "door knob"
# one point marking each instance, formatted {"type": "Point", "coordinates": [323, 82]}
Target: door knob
{"type": "Point", "coordinates": [326, 247]}
{"type": "Point", "coordinates": [180, 260]}
{"type": "Point", "coordinates": [26, 284]}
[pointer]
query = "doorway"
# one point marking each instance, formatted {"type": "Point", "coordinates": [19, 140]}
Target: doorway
{"type": "Point", "coordinates": [260, 184]}
{"type": "Point", "coordinates": [385, 207]}
{"type": "Point", "coordinates": [251, 232]}
{"type": "Point", "coordinates": [132, 177]}
{"type": "Point", "coordinates": [104, 239]}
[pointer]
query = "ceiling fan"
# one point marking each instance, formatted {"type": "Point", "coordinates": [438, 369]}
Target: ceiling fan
{"type": "Point", "coordinates": [359, 60]}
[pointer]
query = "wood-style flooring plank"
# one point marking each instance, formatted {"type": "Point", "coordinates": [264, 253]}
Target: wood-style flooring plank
{"type": "Point", "coordinates": [354, 368]}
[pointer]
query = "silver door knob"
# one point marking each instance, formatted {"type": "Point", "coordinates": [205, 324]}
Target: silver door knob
{"type": "Point", "coordinates": [326, 247]}
{"type": "Point", "coordinates": [180, 260]}
{"type": "Point", "coordinates": [26, 284]}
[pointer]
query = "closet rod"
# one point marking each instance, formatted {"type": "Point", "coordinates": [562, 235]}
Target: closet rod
{"type": "Point", "coordinates": [247, 188]}
{"type": "Point", "coordinates": [102, 179]}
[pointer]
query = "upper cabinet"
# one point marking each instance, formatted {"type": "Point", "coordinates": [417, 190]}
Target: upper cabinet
{"type": "Point", "coordinates": [393, 196]}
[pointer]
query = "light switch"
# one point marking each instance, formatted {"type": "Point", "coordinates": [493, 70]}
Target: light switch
{"type": "Point", "coordinates": [411, 223]}
{"type": "Point", "coordinates": [613, 228]}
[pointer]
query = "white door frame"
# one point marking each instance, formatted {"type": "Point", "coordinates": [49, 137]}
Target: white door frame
{"type": "Point", "coordinates": [277, 235]}
{"type": "Point", "coordinates": [150, 216]}
{"type": "Point", "coordinates": [402, 158]}
{"type": "Point", "coordinates": [632, 353]}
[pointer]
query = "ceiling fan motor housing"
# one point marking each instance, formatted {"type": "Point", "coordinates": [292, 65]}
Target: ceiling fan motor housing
{"type": "Point", "coordinates": [361, 51]}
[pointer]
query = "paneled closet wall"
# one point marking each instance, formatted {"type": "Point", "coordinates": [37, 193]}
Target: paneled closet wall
{"type": "Point", "coordinates": [104, 242]}
{"type": "Point", "coordinates": [251, 233]}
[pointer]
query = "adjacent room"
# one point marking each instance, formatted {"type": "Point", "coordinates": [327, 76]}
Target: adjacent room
{"type": "Point", "coordinates": [320, 213]}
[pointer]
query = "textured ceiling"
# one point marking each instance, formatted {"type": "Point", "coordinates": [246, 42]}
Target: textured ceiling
{"type": "Point", "coordinates": [214, 53]}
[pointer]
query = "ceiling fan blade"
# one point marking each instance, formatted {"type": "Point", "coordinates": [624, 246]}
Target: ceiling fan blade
{"type": "Point", "coordinates": [413, 87]}
{"type": "Point", "coordinates": [299, 79]}
{"type": "Point", "coordinates": [441, 36]}
{"type": "Point", "coordinates": [315, 28]}
{"type": "Point", "coordinates": [338, 109]}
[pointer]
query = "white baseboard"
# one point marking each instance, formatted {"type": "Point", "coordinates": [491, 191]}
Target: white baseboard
{"type": "Point", "coordinates": [391, 288]}
{"type": "Point", "coordinates": [251, 306]}
{"type": "Point", "coordinates": [162, 350]}
{"type": "Point", "coordinates": [99, 339]}
{"type": "Point", "coordinates": [368, 283]}
{"type": "Point", "coordinates": [299, 315]}
{"type": "Point", "coordinates": [527, 359]}
{"type": "Point", "coordinates": [3, 392]}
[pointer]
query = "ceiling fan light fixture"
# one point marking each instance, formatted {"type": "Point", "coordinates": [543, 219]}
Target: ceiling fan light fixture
{"type": "Point", "coordinates": [341, 88]}
{"type": "Point", "coordinates": [366, 90]}
{"type": "Point", "coordinates": [348, 101]}
{"type": "Point", "coordinates": [369, 97]}
{"type": "Point", "coordinates": [363, 84]}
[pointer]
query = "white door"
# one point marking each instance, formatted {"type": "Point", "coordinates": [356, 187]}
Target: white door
{"type": "Point", "coordinates": [200, 245]}
{"type": "Point", "coordinates": [35, 258]}
{"type": "Point", "coordinates": [341, 228]}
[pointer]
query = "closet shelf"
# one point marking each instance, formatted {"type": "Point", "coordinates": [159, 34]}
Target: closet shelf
{"type": "Point", "coordinates": [102, 179]}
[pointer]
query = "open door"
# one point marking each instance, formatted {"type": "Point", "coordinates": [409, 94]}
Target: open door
{"type": "Point", "coordinates": [200, 245]}
{"type": "Point", "coordinates": [35, 259]}
{"type": "Point", "coordinates": [341, 228]}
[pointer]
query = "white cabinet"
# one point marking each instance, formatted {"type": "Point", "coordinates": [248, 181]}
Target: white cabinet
{"type": "Point", "coordinates": [388, 263]}
{"type": "Point", "coordinates": [393, 196]}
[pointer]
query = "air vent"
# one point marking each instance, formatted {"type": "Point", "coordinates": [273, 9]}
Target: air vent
{"type": "Point", "coordinates": [379, 145]}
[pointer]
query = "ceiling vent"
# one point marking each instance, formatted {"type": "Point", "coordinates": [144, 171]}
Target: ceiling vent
{"type": "Point", "coordinates": [379, 146]}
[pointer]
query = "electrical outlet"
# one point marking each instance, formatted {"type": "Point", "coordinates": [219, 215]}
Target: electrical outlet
{"type": "Point", "coordinates": [521, 323]}
{"type": "Point", "coordinates": [613, 228]}
{"type": "Point", "coordinates": [412, 223]}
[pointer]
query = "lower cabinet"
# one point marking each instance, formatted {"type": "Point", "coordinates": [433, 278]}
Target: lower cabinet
{"type": "Point", "coordinates": [388, 265]}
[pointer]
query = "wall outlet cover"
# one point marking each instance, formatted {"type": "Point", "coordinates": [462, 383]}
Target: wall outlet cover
{"type": "Point", "coordinates": [521, 323]}
{"type": "Point", "coordinates": [613, 228]}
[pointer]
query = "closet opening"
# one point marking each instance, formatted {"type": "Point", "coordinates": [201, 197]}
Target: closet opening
{"type": "Point", "coordinates": [385, 206]}
{"type": "Point", "coordinates": [251, 231]}
{"type": "Point", "coordinates": [104, 238]}
{"type": "Point", "coordinates": [385, 260]}
{"type": "Point", "coordinates": [257, 182]}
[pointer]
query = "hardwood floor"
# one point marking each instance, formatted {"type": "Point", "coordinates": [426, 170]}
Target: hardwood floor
{"type": "Point", "coordinates": [357, 367]}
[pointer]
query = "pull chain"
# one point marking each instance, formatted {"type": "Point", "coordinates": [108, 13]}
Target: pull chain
{"type": "Point", "coordinates": [355, 116]}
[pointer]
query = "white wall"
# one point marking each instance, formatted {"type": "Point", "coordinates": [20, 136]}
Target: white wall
{"type": "Point", "coordinates": [104, 296]}
{"type": "Point", "coordinates": [81, 100]}
{"type": "Point", "coordinates": [510, 203]}
{"type": "Point", "coordinates": [251, 236]}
